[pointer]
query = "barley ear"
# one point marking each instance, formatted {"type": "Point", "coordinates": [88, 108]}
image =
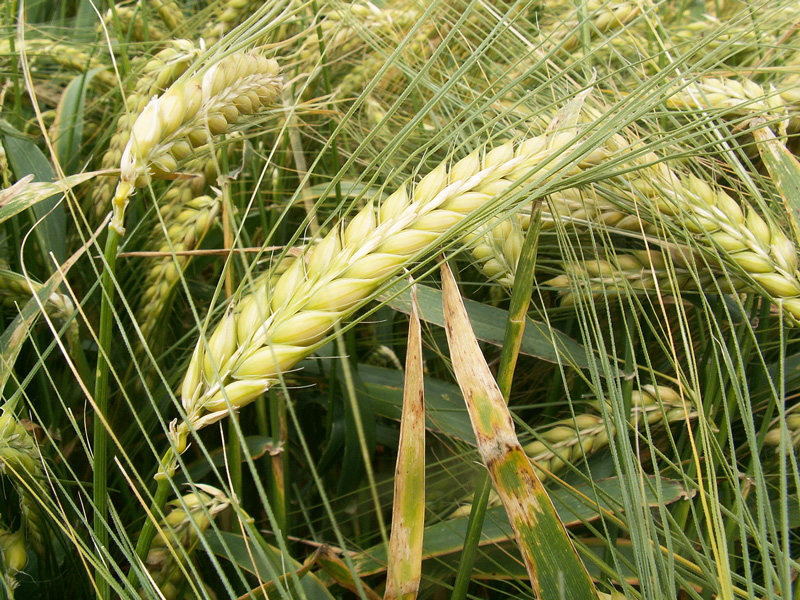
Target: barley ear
{"type": "Point", "coordinates": [291, 313]}
{"type": "Point", "coordinates": [188, 115]}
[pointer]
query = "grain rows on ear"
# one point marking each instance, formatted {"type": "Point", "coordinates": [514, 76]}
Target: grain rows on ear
{"type": "Point", "coordinates": [21, 463]}
{"type": "Point", "coordinates": [155, 76]}
{"type": "Point", "coordinates": [189, 114]}
{"type": "Point", "coordinates": [762, 255]}
{"type": "Point", "coordinates": [270, 330]}
{"type": "Point", "coordinates": [188, 218]}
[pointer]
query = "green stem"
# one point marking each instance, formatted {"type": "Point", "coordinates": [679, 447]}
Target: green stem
{"type": "Point", "coordinates": [100, 462]}
{"type": "Point", "coordinates": [515, 328]}
{"type": "Point", "coordinates": [473, 536]}
{"type": "Point", "coordinates": [149, 528]}
{"type": "Point", "coordinates": [277, 487]}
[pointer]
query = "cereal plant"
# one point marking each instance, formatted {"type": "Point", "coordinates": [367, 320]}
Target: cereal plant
{"type": "Point", "coordinates": [338, 299]}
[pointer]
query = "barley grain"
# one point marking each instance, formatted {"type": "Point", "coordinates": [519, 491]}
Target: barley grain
{"type": "Point", "coordinates": [20, 462]}
{"type": "Point", "coordinates": [188, 219]}
{"type": "Point", "coordinates": [17, 289]}
{"type": "Point", "coordinates": [638, 271]}
{"type": "Point", "coordinates": [774, 435]}
{"type": "Point", "coordinates": [170, 13]}
{"type": "Point", "coordinates": [604, 16]}
{"type": "Point", "coordinates": [229, 14]}
{"type": "Point", "coordinates": [567, 441]}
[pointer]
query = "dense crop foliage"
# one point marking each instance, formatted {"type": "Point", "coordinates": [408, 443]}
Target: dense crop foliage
{"type": "Point", "coordinates": [235, 239]}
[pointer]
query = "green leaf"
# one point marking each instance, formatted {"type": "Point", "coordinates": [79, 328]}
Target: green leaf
{"type": "Point", "coordinates": [785, 171]}
{"type": "Point", "coordinates": [444, 408]}
{"type": "Point", "coordinates": [554, 569]}
{"type": "Point", "coordinates": [540, 340]}
{"type": "Point", "coordinates": [235, 548]}
{"type": "Point", "coordinates": [574, 506]}
{"type": "Point", "coordinates": [25, 158]}
{"type": "Point", "coordinates": [69, 121]}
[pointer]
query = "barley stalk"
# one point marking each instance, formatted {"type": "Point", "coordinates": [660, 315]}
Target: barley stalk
{"type": "Point", "coordinates": [188, 114]}
{"type": "Point", "coordinates": [179, 533]}
{"type": "Point", "coordinates": [272, 329]}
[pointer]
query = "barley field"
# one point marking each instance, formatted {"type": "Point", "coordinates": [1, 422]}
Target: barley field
{"type": "Point", "coordinates": [406, 299]}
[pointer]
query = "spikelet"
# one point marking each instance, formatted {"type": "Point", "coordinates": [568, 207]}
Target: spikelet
{"type": "Point", "coordinates": [567, 441]}
{"type": "Point", "coordinates": [739, 39]}
{"type": "Point", "coordinates": [15, 558]}
{"type": "Point", "coordinates": [734, 99]}
{"type": "Point", "coordinates": [773, 437]}
{"type": "Point", "coordinates": [16, 289]}
{"type": "Point", "coordinates": [155, 75]}
{"type": "Point", "coordinates": [604, 17]}
{"type": "Point", "coordinates": [132, 25]}
{"type": "Point", "coordinates": [765, 258]}
{"type": "Point", "coordinates": [67, 56]}
{"type": "Point", "coordinates": [341, 27]}
{"type": "Point", "coordinates": [20, 462]}
{"type": "Point", "coordinates": [188, 219]}
{"type": "Point", "coordinates": [189, 114]}
{"type": "Point", "coordinates": [496, 245]}
{"type": "Point", "coordinates": [638, 271]}
{"type": "Point", "coordinates": [250, 348]}
{"type": "Point", "coordinates": [180, 531]}
{"type": "Point", "coordinates": [762, 250]}
{"type": "Point", "coordinates": [229, 14]}
{"type": "Point", "coordinates": [170, 13]}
